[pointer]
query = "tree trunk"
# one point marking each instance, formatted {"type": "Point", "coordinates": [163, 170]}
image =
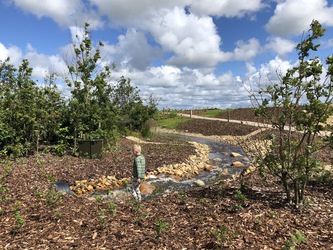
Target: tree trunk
{"type": "Point", "coordinates": [286, 187]}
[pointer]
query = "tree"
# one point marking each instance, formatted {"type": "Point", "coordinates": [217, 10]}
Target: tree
{"type": "Point", "coordinates": [97, 108]}
{"type": "Point", "coordinates": [51, 121]}
{"type": "Point", "coordinates": [18, 94]}
{"type": "Point", "coordinates": [126, 98]}
{"type": "Point", "coordinates": [29, 113]}
{"type": "Point", "coordinates": [303, 103]}
{"type": "Point", "coordinates": [90, 109]}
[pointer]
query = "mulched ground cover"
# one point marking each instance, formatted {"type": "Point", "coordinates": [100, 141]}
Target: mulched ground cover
{"type": "Point", "coordinates": [34, 216]}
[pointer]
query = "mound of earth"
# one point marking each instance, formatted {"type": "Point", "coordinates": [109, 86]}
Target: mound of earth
{"type": "Point", "coordinates": [219, 128]}
{"type": "Point", "coordinates": [35, 216]}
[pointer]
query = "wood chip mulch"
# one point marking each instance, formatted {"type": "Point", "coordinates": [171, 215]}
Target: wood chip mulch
{"type": "Point", "coordinates": [34, 216]}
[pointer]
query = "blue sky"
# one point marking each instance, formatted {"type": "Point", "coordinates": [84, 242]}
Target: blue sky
{"type": "Point", "coordinates": [186, 53]}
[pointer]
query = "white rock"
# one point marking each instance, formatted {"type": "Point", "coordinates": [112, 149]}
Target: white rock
{"type": "Point", "coordinates": [233, 154]}
{"type": "Point", "coordinates": [199, 183]}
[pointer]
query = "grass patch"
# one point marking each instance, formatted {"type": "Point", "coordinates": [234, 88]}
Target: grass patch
{"type": "Point", "coordinates": [214, 112]}
{"type": "Point", "coordinates": [172, 123]}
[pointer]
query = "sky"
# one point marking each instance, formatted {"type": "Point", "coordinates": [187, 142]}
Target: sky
{"type": "Point", "coordinates": [187, 54]}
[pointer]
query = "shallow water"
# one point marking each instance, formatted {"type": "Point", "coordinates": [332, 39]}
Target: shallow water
{"type": "Point", "coordinates": [219, 156]}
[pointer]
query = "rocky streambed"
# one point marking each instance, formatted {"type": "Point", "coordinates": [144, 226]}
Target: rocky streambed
{"type": "Point", "coordinates": [214, 161]}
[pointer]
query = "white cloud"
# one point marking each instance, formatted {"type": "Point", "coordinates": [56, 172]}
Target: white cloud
{"type": "Point", "coordinates": [171, 49]}
{"type": "Point", "coordinates": [13, 52]}
{"type": "Point", "coordinates": [292, 17]}
{"type": "Point", "coordinates": [189, 88]}
{"type": "Point", "coordinates": [164, 76]}
{"type": "Point", "coordinates": [246, 50]}
{"type": "Point", "coordinates": [129, 12]}
{"type": "Point", "coordinates": [280, 45]}
{"type": "Point", "coordinates": [135, 47]}
{"type": "Point", "coordinates": [227, 8]}
{"type": "Point", "coordinates": [63, 12]}
{"type": "Point", "coordinates": [77, 34]}
{"type": "Point", "coordinates": [44, 65]}
{"type": "Point", "coordinates": [193, 40]}
{"type": "Point", "coordinates": [274, 69]}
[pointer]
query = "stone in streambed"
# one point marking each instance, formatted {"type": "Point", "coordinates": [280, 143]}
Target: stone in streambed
{"type": "Point", "coordinates": [147, 189]}
{"type": "Point", "coordinates": [233, 154]}
{"type": "Point", "coordinates": [237, 164]}
{"type": "Point", "coordinates": [199, 183]}
{"type": "Point", "coordinates": [210, 168]}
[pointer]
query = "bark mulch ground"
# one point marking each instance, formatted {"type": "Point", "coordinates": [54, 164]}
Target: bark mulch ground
{"type": "Point", "coordinates": [34, 216]}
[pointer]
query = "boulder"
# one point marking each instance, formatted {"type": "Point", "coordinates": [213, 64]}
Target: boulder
{"type": "Point", "coordinates": [199, 183]}
{"type": "Point", "coordinates": [210, 168]}
{"type": "Point", "coordinates": [147, 189]}
{"type": "Point", "coordinates": [237, 164]}
{"type": "Point", "coordinates": [233, 154]}
{"type": "Point", "coordinates": [246, 159]}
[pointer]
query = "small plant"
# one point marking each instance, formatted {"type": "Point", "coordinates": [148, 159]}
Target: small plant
{"type": "Point", "coordinates": [53, 198]}
{"type": "Point", "coordinates": [240, 197]}
{"type": "Point", "coordinates": [51, 178]}
{"type": "Point", "coordinates": [183, 196]}
{"type": "Point", "coordinates": [137, 207]}
{"type": "Point", "coordinates": [141, 218]}
{"type": "Point", "coordinates": [20, 221]}
{"type": "Point", "coordinates": [98, 197]}
{"type": "Point", "coordinates": [40, 162]}
{"type": "Point", "coordinates": [240, 201]}
{"type": "Point", "coordinates": [101, 217]}
{"type": "Point", "coordinates": [126, 185]}
{"type": "Point", "coordinates": [3, 189]}
{"type": "Point", "coordinates": [272, 214]}
{"type": "Point", "coordinates": [203, 200]}
{"type": "Point", "coordinates": [57, 215]}
{"type": "Point", "coordinates": [220, 234]}
{"type": "Point", "coordinates": [161, 226]}
{"type": "Point", "coordinates": [295, 240]}
{"type": "Point", "coordinates": [223, 235]}
{"type": "Point", "coordinates": [112, 207]}
{"type": "Point", "coordinates": [6, 171]}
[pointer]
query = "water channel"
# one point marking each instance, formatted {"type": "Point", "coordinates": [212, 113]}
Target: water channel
{"type": "Point", "coordinates": [220, 156]}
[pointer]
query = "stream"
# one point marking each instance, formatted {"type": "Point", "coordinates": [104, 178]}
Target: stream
{"type": "Point", "coordinates": [219, 156]}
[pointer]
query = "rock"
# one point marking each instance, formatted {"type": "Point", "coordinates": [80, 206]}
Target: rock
{"type": "Point", "coordinates": [199, 183]}
{"type": "Point", "coordinates": [246, 159]}
{"type": "Point", "coordinates": [178, 172]}
{"type": "Point", "coordinates": [210, 168]}
{"type": "Point", "coordinates": [237, 164]}
{"type": "Point", "coordinates": [151, 177]}
{"type": "Point", "coordinates": [328, 167]}
{"type": "Point", "coordinates": [147, 189]}
{"type": "Point", "coordinates": [233, 154]}
{"type": "Point", "coordinates": [224, 172]}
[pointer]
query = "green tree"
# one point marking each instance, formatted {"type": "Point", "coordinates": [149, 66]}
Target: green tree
{"type": "Point", "coordinates": [29, 113]}
{"type": "Point", "coordinates": [7, 79]}
{"type": "Point", "coordinates": [18, 95]}
{"type": "Point", "coordinates": [51, 121]}
{"type": "Point", "coordinates": [303, 101]}
{"type": "Point", "coordinates": [90, 108]}
{"type": "Point", "coordinates": [132, 110]}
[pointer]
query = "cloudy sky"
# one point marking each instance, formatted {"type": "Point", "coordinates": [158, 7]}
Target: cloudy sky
{"type": "Point", "coordinates": [187, 53]}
